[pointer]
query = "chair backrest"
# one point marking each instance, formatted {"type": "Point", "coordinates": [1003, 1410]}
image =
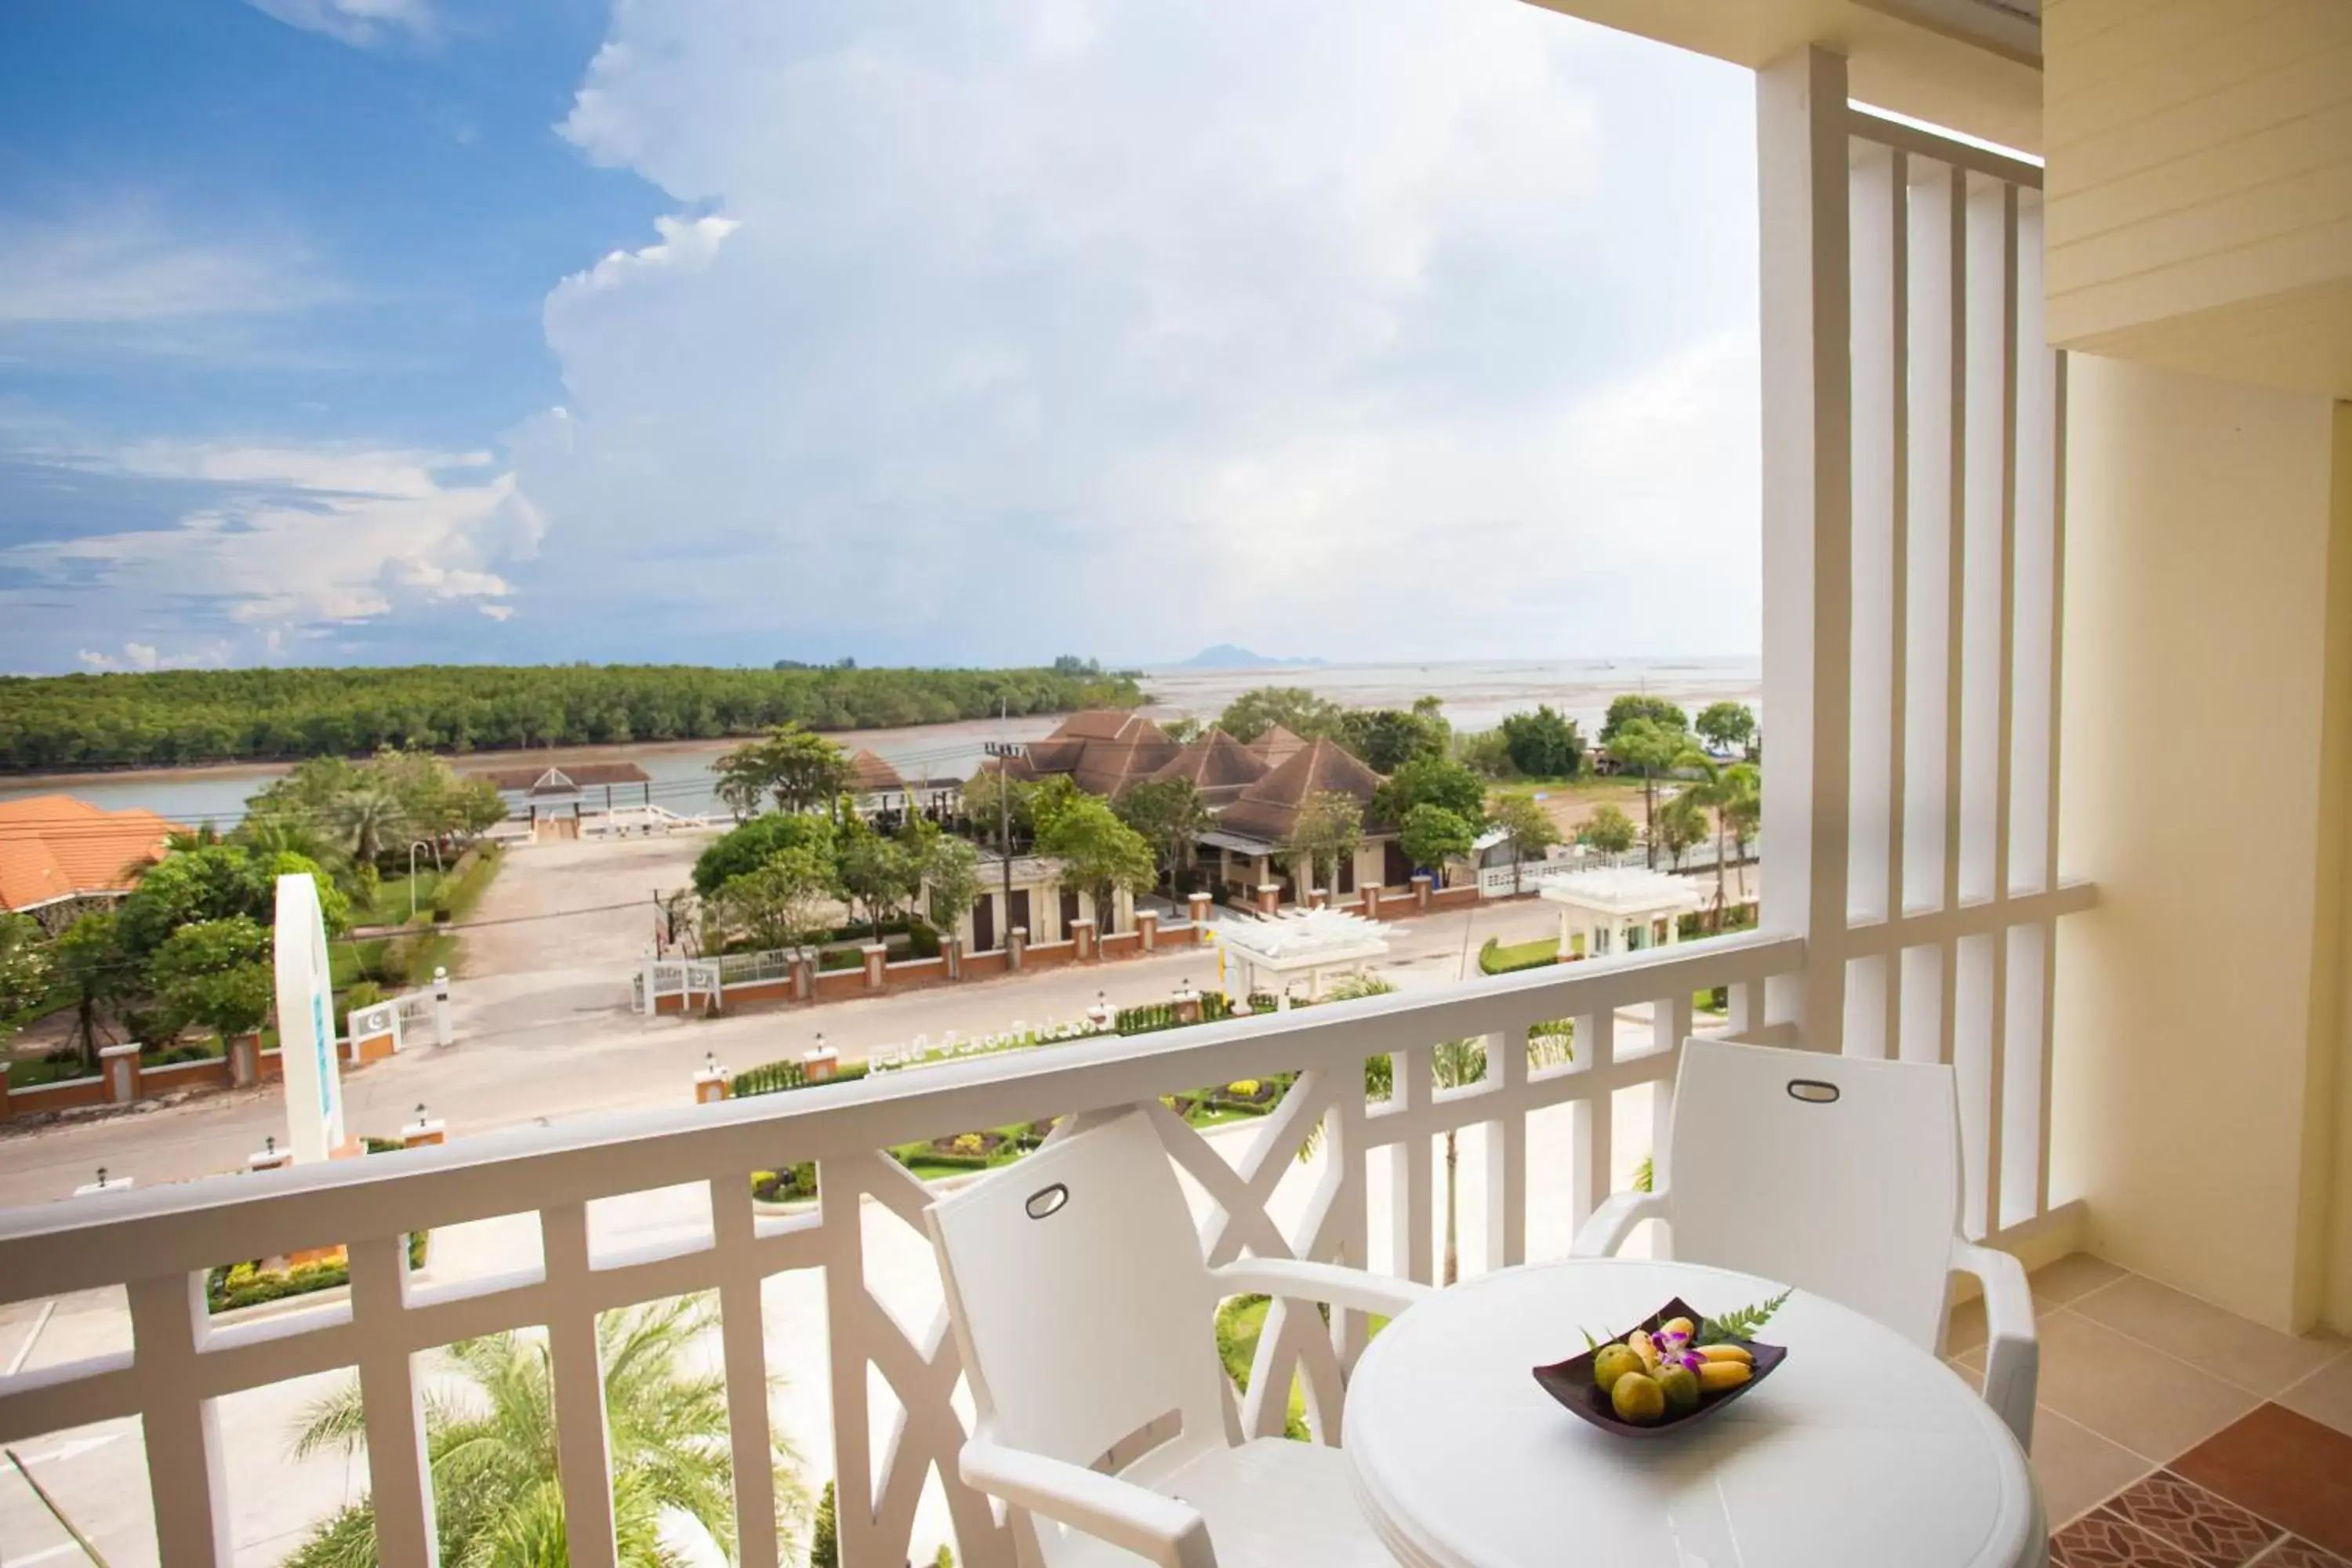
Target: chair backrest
{"type": "Point", "coordinates": [1837, 1174]}
{"type": "Point", "coordinates": [1080, 1297]}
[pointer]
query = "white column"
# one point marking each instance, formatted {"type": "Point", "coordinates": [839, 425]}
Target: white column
{"type": "Point", "coordinates": [1808, 504]}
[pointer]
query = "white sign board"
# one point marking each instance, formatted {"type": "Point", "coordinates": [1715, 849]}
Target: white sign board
{"type": "Point", "coordinates": [306, 1023]}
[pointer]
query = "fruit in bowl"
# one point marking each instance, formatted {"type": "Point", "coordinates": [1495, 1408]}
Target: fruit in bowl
{"type": "Point", "coordinates": [1675, 1367]}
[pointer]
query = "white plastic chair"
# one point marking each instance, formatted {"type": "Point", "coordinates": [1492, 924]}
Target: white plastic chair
{"type": "Point", "coordinates": [1839, 1175]}
{"type": "Point", "coordinates": [1085, 1312]}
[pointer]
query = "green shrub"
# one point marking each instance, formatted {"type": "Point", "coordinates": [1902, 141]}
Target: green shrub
{"type": "Point", "coordinates": [839, 958]}
{"type": "Point", "coordinates": [774, 1078]}
{"type": "Point", "coordinates": [357, 998]}
{"type": "Point", "coordinates": [922, 941]}
{"type": "Point", "coordinates": [789, 1185]}
{"type": "Point", "coordinates": [455, 896]}
{"type": "Point", "coordinates": [249, 1284]}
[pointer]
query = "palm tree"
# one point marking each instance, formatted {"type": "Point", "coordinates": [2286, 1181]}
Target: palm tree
{"type": "Point", "coordinates": [491, 1444]}
{"type": "Point", "coordinates": [1455, 1063]}
{"type": "Point", "coordinates": [1654, 748]}
{"type": "Point", "coordinates": [276, 834]}
{"type": "Point", "coordinates": [1729, 793]}
{"type": "Point", "coordinates": [367, 821]}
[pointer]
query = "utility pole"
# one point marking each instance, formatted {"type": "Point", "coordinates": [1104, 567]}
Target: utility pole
{"type": "Point", "coordinates": [1005, 751]}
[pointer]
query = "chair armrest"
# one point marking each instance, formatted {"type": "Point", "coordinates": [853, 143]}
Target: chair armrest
{"type": "Point", "coordinates": [1350, 1288]}
{"type": "Point", "coordinates": [1613, 1221]}
{"type": "Point", "coordinates": [1132, 1518]}
{"type": "Point", "coordinates": [2012, 1355]}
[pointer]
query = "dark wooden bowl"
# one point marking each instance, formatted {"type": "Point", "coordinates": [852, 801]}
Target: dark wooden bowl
{"type": "Point", "coordinates": [1571, 1380]}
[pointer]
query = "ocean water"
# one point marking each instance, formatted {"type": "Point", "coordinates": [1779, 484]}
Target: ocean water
{"type": "Point", "coordinates": [1477, 694]}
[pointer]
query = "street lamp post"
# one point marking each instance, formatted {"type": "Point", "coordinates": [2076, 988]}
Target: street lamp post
{"type": "Point", "coordinates": [1004, 752]}
{"type": "Point", "coordinates": [413, 849]}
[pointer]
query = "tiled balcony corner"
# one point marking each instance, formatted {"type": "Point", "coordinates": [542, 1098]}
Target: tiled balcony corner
{"type": "Point", "coordinates": [2174, 1434]}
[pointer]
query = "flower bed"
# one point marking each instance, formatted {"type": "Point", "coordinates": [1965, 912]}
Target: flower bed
{"type": "Point", "coordinates": [249, 1284]}
{"type": "Point", "coordinates": [791, 1184]}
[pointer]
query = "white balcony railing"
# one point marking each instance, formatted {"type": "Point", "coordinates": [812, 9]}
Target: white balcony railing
{"type": "Point", "coordinates": [157, 1243]}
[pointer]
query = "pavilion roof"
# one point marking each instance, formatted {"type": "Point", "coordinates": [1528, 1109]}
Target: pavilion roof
{"type": "Point", "coordinates": [1269, 808]}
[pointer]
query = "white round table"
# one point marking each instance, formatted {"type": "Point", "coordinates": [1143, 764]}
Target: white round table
{"type": "Point", "coordinates": [1862, 1449]}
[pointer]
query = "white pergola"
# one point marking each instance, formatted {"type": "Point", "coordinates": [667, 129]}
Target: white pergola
{"type": "Point", "coordinates": [1613, 909]}
{"type": "Point", "coordinates": [1297, 941]}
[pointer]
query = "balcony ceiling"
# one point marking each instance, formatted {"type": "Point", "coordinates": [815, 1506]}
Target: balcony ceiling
{"type": "Point", "coordinates": [1972, 64]}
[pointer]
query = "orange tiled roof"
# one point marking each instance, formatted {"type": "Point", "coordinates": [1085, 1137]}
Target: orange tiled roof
{"type": "Point", "coordinates": [54, 846]}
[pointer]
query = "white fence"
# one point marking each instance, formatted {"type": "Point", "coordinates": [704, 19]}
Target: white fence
{"type": "Point", "coordinates": [157, 1242]}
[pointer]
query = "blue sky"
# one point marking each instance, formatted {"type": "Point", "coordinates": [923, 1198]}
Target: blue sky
{"type": "Point", "coordinates": [953, 331]}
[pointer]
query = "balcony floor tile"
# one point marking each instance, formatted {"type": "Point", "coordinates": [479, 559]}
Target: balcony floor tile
{"type": "Point", "coordinates": [2325, 1395]}
{"type": "Point", "coordinates": [2131, 1393]}
{"type": "Point", "coordinates": [2261, 1361]}
{"type": "Point", "coordinates": [2076, 1468]}
{"type": "Point", "coordinates": [2283, 1467]}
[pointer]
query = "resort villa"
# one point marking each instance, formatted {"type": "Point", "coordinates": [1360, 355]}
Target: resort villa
{"type": "Point", "coordinates": [2055, 456]}
{"type": "Point", "coordinates": [1253, 793]}
{"type": "Point", "coordinates": [61, 857]}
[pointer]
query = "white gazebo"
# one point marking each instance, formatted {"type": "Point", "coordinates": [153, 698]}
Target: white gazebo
{"type": "Point", "coordinates": [1615, 910]}
{"type": "Point", "coordinates": [1297, 941]}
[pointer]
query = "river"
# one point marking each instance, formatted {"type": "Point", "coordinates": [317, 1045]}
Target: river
{"type": "Point", "coordinates": [1477, 696]}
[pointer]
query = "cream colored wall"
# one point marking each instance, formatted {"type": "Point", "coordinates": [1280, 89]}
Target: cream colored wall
{"type": "Point", "coordinates": [2199, 185]}
{"type": "Point", "coordinates": [2331, 1223]}
{"type": "Point", "coordinates": [2197, 1003]}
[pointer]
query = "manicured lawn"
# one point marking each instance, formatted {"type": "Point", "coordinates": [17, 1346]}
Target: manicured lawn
{"type": "Point", "coordinates": [1503, 959]}
{"type": "Point", "coordinates": [1240, 1322]}
{"type": "Point", "coordinates": [390, 906]}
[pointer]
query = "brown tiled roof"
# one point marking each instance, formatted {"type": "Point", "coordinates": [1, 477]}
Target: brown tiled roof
{"type": "Point", "coordinates": [54, 846]}
{"type": "Point", "coordinates": [1219, 766]}
{"type": "Point", "coordinates": [551, 777]}
{"type": "Point", "coordinates": [869, 771]}
{"type": "Point", "coordinates": [1102, 751]}
{"type": "Point", "coordinates": [1269, 808]}
{"type": "Point", "coordinates": [1278, 746]}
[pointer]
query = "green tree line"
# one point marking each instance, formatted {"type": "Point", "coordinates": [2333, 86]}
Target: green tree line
{"type": "Point", "coordinates": [168, 717]}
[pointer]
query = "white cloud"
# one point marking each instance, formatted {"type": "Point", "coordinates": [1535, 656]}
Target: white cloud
{"type": "Point", "coordinates": [362, 23]}
{"type": "Point", "coordinates": [147, 656]}
{"type": "Point", "coordinates": [292, 540]}
{"type": "Point", "coordinates": [126, 265]}
{"type": "Point", "coordinates": [1370, 327]}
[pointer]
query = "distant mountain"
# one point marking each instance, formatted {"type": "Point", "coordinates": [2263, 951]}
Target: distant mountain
{"type": "Point", "coordinates": [1227, 656]}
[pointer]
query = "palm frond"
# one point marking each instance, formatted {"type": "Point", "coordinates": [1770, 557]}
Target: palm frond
{"type": "Point", "coordinates": [334, 1422]}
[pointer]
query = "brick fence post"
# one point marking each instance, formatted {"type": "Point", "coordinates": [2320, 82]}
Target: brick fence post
{"type": "Point", "coordinates": [1147, 928]}
{"type": "Point", "coordinates": [1421, 883]}
{"type": "Point", "coordinates": [121, 1065]}
{"type": "Point", "coordinates": [951, 949]}
{"type": "Point", "coordinates": [1196, 906]}
{"type": "Point", "coordinates": [1016, 942]}
{"type": "Point", "coordinates": [1269, 898]}
{"type": "Point", "coordinates": [1083, 943]}
{"type": "Point", "coordinates": [876, 954]}
{"type": "Point", "coordinates": [245, 1060]}
{"type": "Point", "coordinates": [1371, 900]}
{"type": "Point", "coordinates": [1317, 898]}
{"type": "Point", "coordinates": [804, 976]}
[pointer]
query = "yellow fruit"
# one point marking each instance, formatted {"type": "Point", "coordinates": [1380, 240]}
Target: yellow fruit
{"type": "Point", "coordinates": [1680, 1386]}
{"type": "Point", "coordinates": [1726, 1353]}
{"type": "Point", "coordinates": [1716, 1376]}
{"type": "Point", "coordinates": [1642, 1347]}
{"type": "Point", "coordinates": [1613, 1363]}
{"type": "Point", "coordinates": [1638, 1399]}
{"type": "Point", "coordinates": [1677, 1326]}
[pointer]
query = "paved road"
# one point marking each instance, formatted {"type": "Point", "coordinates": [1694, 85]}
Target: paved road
{"type": "Point", "coordinates": [559, 1042]}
